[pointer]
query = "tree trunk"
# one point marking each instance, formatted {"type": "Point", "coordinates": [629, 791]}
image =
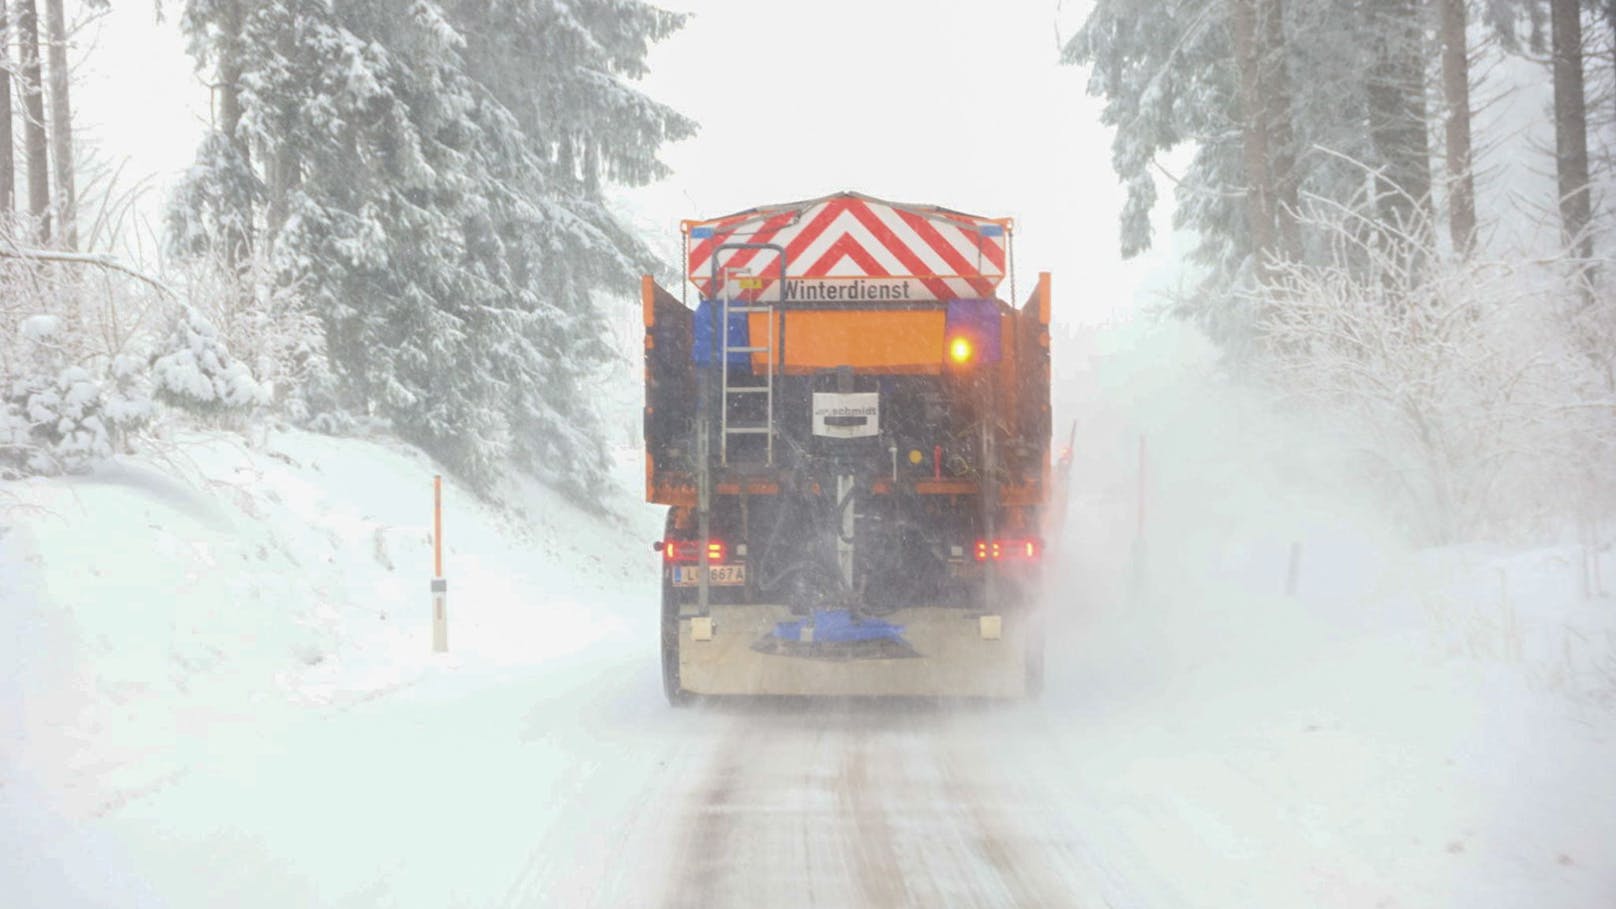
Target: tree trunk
{"type": "Point", "coordinates": [33, 126]}
{"type": "Point", "coordinates": [283, 170]}
{"type": "Point", "coordinates": [1253, 132]}
{"type": "Point", "coordinates": [8, 167]}
{"type": "Point", "coordinates": [1571, 128]}
{"type": "Point", "coordinates": [230, 24]}
{"type": "Point", "coordinates": [1397, 113]}
{"type": "Point", "coordinates": [1275, 81]}
{"type": "Point", "coordinates": [61, 127]}
{"type": "Point", "coordinates": [237, 249]}
{"type": "Point", "coordinates": [1456, 94]}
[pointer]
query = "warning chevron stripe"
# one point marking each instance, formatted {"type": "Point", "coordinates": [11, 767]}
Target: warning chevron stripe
{"type": "Point", "coordinates": [915, 252]}
{"type": "Point", "coordinates": [942, 245]}
{"type": "Point", "coordinates": [907, 255]}
{"type": "Point", "coordinates": [726, 230]}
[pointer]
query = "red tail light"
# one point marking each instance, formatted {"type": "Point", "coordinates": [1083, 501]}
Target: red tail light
{"type": "Point", "coordinates": [690, 550]}
{"type": "Point", "coordinates": [1008, 550]}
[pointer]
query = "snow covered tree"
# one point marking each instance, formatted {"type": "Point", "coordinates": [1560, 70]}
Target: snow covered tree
{"type": "Point", "coordinates": [1223, 77]}
{"type": "Point", "coordinates": [1168, 77]}
{"type": "Point", "coordinates": [195, 371]}
{"type": "Point", "coordinates": [58, 414]}
{"type": "Point", "coordinates": [213, 208]}
{"type": "Point", "coordinates": [428, 176]}
{"type": "Point", "coordinates": [1165, 75]}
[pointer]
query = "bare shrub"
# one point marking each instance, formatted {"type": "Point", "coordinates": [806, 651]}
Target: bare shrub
{"type": "Point", "coordinates": [1479, 392]}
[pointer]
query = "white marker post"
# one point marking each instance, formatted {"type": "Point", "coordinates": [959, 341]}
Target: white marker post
{"type": "Point", "coordinates": [440, 586]}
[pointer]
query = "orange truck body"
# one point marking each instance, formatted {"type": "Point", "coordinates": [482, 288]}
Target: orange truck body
{"type": "Point", "coordinates": [849, 422]}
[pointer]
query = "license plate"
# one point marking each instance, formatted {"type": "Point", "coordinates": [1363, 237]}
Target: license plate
{"type": "Point", "coordinates": [717, 575]}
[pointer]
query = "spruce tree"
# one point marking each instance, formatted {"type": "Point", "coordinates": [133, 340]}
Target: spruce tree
{"type": "Point", "coordinates": [428, 176]}
{"type": "Point", "coordinates": [1228, 77]}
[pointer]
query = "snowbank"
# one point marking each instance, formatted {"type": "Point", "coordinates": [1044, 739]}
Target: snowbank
{"type": "Point", "coordinates": [162, 606]}
{"type": "Point", "coordinates": [1404, 728]}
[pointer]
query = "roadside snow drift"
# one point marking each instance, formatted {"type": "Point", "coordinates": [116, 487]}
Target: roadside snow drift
{"type": "Point", "coordinates": [163, 607]}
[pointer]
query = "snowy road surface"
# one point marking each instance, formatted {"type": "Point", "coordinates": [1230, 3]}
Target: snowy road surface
{"type": "Point", "coordinates": [878, 806]}
{"type": "Point", "coordinates": [575, 786]}
{"type": "Point", "coordinates": [514, 793]}
{"type": "Point", "coordinates": [238, 708]}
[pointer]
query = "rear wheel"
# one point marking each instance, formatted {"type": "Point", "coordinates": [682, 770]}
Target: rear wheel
{"type": "Point", "coordinates": [677, 696]}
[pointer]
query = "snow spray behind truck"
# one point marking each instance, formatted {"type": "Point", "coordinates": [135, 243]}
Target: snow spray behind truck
{"type": "Point", "coordinates": [851, 432]}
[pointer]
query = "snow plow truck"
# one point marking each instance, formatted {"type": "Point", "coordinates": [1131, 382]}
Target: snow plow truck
{"type": "Point", "coordinates": [850, 428]}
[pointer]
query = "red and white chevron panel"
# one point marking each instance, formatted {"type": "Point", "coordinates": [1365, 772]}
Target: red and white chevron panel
{"type": "Point", "coordinates": [850, 248]}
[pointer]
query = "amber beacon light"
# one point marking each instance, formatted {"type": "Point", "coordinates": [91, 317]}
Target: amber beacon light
{"type": "Point", "coordinates": [960, 350]}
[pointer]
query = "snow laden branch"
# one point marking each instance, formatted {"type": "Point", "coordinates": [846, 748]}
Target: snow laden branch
{"type": "Point", "coordinates": [100, 260]}
{"type": "Point", "coordinates": [1478, 391]}
{"type": "Point", "coordinates": [94, 358]}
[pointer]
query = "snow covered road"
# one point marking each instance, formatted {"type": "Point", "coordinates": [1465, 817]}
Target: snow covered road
{"type": "Point", "coordinates": [235, 706]}
{"type": "Point", "coordinates": [571, 784]}
{"type": "Point", "coordinates": [517, 793]}
{"type": "Point", "coordinates": [880, 805]}
{"type": "Point", "coordinates": [574, 785]}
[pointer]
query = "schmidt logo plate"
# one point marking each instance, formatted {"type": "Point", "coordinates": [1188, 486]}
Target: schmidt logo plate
{"type": "Point", "coordinates": [847, 416]}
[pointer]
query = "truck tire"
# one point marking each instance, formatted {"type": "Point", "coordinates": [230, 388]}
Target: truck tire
{"type": "Point", "coordinates": [677, 696]}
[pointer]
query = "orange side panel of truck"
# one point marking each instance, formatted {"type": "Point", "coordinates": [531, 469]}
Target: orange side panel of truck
{"type": "Point", "coordinates": [888, 341]}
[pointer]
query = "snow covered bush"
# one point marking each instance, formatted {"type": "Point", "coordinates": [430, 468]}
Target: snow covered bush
{"type": "Point", "coordinates": [57, 416]}
{"type": "Point", "coordinates": [61, 416]}
{"type": "Point", "coordinates": [1471, 388]}
{"type": "Point", "coordinates": [195, 371]}
{"type": "Point", "coordinates": [268, 322]}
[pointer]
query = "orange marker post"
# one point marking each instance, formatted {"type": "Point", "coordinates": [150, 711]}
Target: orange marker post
{"type": "Point", "coordinates": [440, 586]}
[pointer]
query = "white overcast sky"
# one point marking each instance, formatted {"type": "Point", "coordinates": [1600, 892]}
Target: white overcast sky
{"type": "Point", "coordinates": [956, 103]}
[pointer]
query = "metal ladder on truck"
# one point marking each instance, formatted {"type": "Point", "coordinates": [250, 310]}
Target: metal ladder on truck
{"type": "Point", "coordinates": [732, 394]}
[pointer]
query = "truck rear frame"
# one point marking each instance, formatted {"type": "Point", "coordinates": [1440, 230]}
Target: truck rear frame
{"type": "Point", "coordinates": [855, 470]}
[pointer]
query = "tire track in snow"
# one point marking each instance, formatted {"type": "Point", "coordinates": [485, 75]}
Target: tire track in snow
{"type": "Point", "coordinates": [877, 807]}
{"type": "Point", "coordinates": [696, 875]}
{"type": "Point", "coordinates": [874, 859]}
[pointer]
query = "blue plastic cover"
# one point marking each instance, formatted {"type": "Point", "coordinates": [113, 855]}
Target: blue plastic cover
{"type": "Point", "coordinates": [837, 626]}
{"type": "Point", "coordinates": [704, 346]}
{"type": "Point", "coordinates": [977, 320]}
